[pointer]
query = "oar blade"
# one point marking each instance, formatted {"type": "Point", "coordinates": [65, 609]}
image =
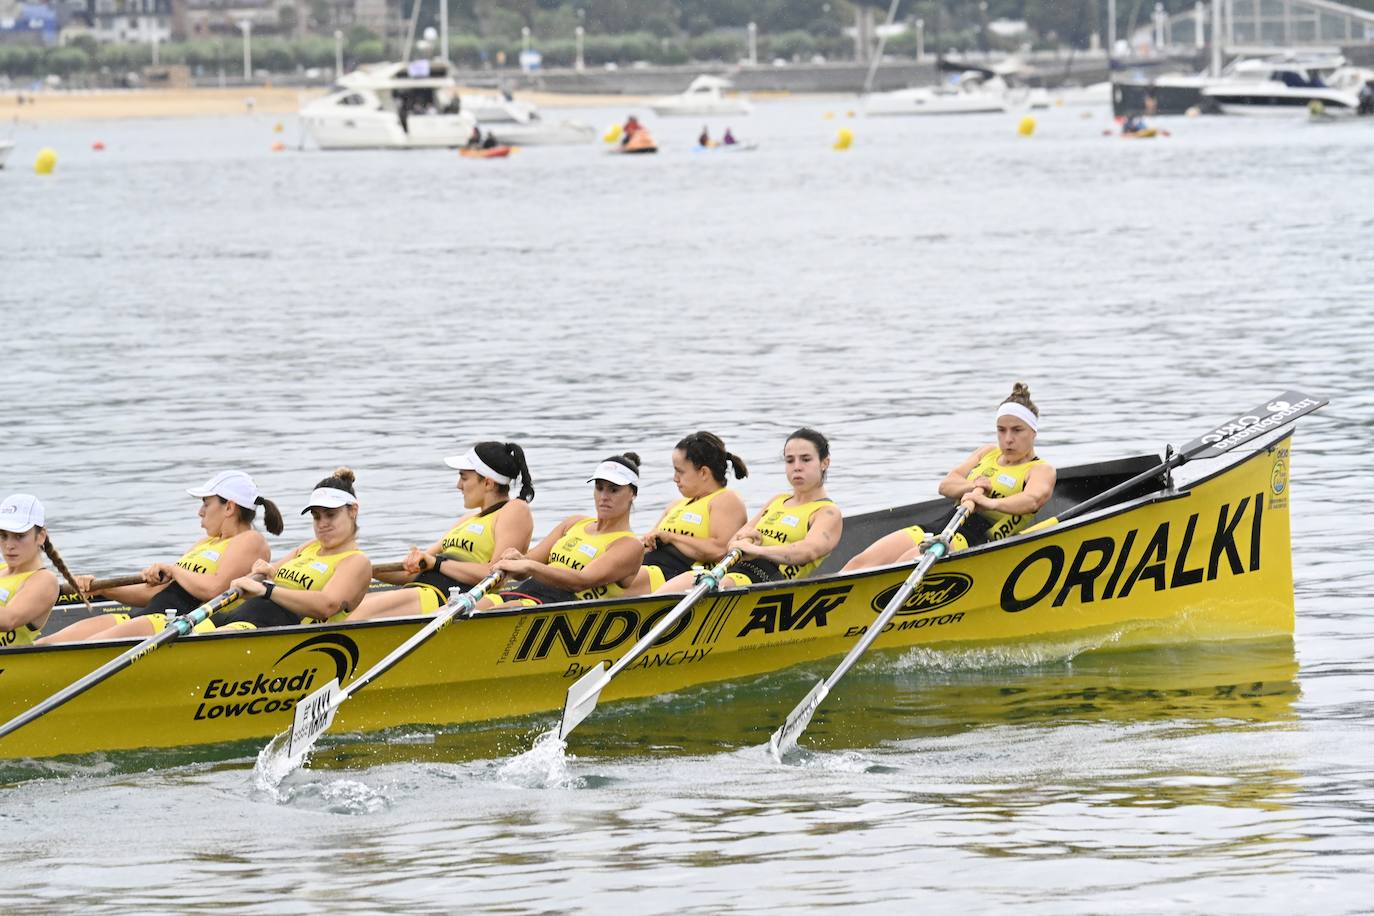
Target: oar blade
{"type": "Point", "coordinates": [582, 697]}
{"type": "Point", "coordinates": [314, 715]}
{"type": "Point", "coordinates": [785, 738]}
{"type": "Point", "coordinates": [1271, 415]}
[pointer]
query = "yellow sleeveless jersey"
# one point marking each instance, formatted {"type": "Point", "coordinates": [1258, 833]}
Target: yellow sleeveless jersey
{"type": "Point", "coordinates": [205, 556]}
{"type": "Point", "coordinates": [22, 635]}
{"type": "Point", "coordinates": [782, 524]}
{"type": "Point", "coordinates": [691, 517]}
{"type": "Point", "coordinates": [310, 571]}
{"type": "Point", "coordinates": [473, 539]}
{"type": "Point", "coordinates": [1007, 480]}
{"type": "Point", "coordinates": [578, 548]}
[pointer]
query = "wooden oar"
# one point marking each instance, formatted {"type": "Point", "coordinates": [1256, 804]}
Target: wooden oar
{"type": "Point", "coordinates": [100, 585]}
{"type": "Point", "coordinates": [796, 722]}
{"type": "Point", "coordinates": [1273, 414]}
{"type": "Point", "coordinates": [176, 628]}
{"type": "Point", "coordinates": [582, 695]}
{"type": "Point", "coordinates": [315, 713]}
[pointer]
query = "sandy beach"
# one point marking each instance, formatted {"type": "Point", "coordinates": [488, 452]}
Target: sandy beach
{"type": "Point", "coordinates": [117, 104]}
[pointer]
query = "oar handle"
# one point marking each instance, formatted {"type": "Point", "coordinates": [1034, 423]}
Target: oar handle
{"type": "Point", "coordinates": [100, 585]}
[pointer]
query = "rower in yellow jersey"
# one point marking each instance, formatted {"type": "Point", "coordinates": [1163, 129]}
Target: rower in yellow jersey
{"type": "Point", "coordinates": [695, 530]}
{"type": "Point", "coordinates": [794, 532]}
{"type": "Point", "coordinates": [583, 557]}
{"type": "Point", "coordinates": [1003, 485]}
{"type": "Point", "coordinates": [27, 589]}
{"type": "Point", "coordinates": [321, 580]}
{"type": "Point", "coordinates": [229, 504]}
{"type": "Point", "coordinates": [464, 555]}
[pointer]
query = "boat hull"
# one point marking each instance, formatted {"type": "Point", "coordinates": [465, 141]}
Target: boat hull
{"type": "Point", "coordinates": [382, 130]}
{"type": "Point", "coordinates": [1208, 563]}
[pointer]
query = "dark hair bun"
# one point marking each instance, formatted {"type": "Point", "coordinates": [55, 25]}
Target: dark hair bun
{"type": "Point", "coordinates": [632, 458]}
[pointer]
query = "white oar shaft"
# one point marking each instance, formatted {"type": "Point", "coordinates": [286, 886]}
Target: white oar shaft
{"type": "Point", "coordinates": [464, 603]}
{"type": "Point", "coordinates": [937, 550]}
{"type": "Point", "coordinates": [177, 627]}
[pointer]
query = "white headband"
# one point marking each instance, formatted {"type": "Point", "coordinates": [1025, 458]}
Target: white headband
{"type": "Point", "coordinates": [1020, 412]}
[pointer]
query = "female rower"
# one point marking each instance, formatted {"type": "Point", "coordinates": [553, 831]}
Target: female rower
{"type": "Point", "coordinates": [321, 580]}
{"type": "Point", "coordinates": [464, 555]}
{"type": "Point", "coordinates": [228, 506]}
{"type": "Point", "coordinates": [794, 532]}
{"type": "Point", "coordinates": [1003, 485]}
{"type": "Point", "coordinates": [27, 590]}
{"type": "Point", "coordinates": [583, 557]}
{"type": "Point", "coordinates": [695, 530]}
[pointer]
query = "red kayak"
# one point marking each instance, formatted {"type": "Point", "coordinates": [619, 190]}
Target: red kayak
{"type": "Point", "coordinates": [494, 152]}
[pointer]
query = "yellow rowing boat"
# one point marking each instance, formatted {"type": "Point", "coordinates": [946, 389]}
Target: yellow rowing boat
{"type": "Point", "coordinates": [1209, 561]}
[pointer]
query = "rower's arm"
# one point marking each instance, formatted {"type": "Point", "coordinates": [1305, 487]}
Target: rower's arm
{"type": "Point", "coordinates": [956, 482]}
{"type": "Point", "coordinates": [727, 518]}
{"type": "Point", "coordinates": [1039, 488]}
{"type": "Point", "coordinates": [31, 603]}
{"type": "Point", "coordinates": [820, 541]}
{"type": "Point", "coordinates": [341, 593]}
{"type": "Point", "coordinates": [514, 528]}
{"type": "Point", "coordinates": [132, 595]}
{"type": "Point", "coordinates": [239, 555]}
{"type": "Point", "coordinates": [620, 562]}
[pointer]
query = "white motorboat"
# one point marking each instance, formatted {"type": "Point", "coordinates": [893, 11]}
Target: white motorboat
{"type": "Point", "coordinates": [1290, 85]}
{"type": "Point", "coordinates": [538, 132]}
{"type": "Point", "coordinates": [411, 105]}
{"type": "Point", "coordinates": [705, 97]}
{"type": "Point", "coordinates": [499, 109]}
{"type": "Point", "coordinates": [970, 92]}
{"type": "Point", "coordinates": [6, 147]}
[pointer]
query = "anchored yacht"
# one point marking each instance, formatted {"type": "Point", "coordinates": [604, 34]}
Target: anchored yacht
{"type": "Point", "coordinates": [408, 105]}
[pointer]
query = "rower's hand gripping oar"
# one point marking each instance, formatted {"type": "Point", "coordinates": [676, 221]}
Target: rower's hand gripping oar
{"type": "Point", "coordinates": [315, 713]}
{"type": "Point", "coordinates": [100, 585]}
{"type": "Point", "coordinates": [582, 695]}
{"type": "Point", "coordinates": [176, 628]}
{"type": "Point", "coordinates": [786, 736]}
{"type": "Point", "coordinates": [1273, 414]}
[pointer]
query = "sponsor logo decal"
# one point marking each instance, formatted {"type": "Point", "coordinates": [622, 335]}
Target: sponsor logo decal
{"type": "Point", "coordinates": [1249, 426]}
{"type": "Point", "coordinates": [935, 591]}
{"type": "Point", "coordinates": [779, 614]}
{"type": "Point", "coordinates": [916, 624]}
{"type": "Point", "coordinates": [1278, 480]}
{"type": "Point", "coordinates": [1103, 568]}
{"type": "Point", "coordinates": [270, 691]}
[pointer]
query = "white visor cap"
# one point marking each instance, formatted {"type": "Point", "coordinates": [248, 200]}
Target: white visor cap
{"type": "Point", "coordinates": [329, 498]}
{"type": "Point", "coordinates": [471, 461]}
{"type": "Point", "coordinates": [615, 472]}
{"type": "Point", "coordinates": [230, 486]}
{"type": "Point", "coordinates": [20, 512]}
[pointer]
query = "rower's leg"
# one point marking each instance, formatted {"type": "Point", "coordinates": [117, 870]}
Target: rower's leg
{"type": "Point", "coordinates": [82, 629]}
{"type": "Point", "coordinates": [887, 549]}
{"type": "Point", "coordinates": [403, 602]}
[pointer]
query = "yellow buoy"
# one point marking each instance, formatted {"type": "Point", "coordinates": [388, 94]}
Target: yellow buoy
{"type": "Point", "coordinates": [1026, 127]}
{"type": "Point", "coordinates": [849, 114]}
{"type": "Point", "coordinates": [277, 128]}
{"type": "Point", "coordinates": [612, 133]}
{"type": "Point", "coordinates": [844, 139]}
{"type": "Point", "coordinates": [46, 161]}
{"type": "Point", "coordinates": [829, 116]}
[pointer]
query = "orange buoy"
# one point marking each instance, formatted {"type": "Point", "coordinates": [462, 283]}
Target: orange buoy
{"type": "Point", "coordinates": [278, 146]}
{"type": "Point", "coordinates": [98, 146]}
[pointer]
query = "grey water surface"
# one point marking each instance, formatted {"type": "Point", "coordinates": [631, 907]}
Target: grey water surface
{"type": "Point", "coordinates": [189, 300]}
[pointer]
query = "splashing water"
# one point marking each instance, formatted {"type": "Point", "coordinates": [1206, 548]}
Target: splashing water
{"type": "Point", "coordinates": [273, 765]}
{"type": "Point", "coordinates": [543, 766]}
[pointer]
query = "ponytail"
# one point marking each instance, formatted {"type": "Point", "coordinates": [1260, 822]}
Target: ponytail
{"type": "Point", "coordinates": [57, 561]}
{"type": "Point", "coordinates": [707, 450]}
{"type": "Point", "coordinates": [517, 454]}
{"type": "Point", "coordinates": [271, 515]}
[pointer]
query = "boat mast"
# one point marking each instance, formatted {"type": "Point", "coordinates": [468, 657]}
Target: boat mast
{"type": "Point", "coordinates": [410, 32]}
{"type": "Point", "coordinates": [882, 40]}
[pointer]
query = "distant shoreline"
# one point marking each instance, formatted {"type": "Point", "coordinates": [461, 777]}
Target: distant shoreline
{"type": "Point", "coordinates": [126, 104]}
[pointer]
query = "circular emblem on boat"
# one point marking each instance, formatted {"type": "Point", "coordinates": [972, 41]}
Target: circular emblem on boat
{"type": "Point", "coordinates": [936, 590]}
{"type": "Point", "coordinates": [1278, 479]}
